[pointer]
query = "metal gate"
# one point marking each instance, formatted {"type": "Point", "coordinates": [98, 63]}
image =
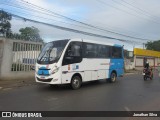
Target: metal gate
{"type": "Point", "coordinates": [25, 55]}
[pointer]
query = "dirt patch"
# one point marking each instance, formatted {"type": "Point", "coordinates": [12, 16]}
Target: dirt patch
{"type": "Point", "coordinates": [4, 84]}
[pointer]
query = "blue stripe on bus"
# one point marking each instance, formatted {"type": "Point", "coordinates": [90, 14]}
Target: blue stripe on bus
{"type": "Point", "coordinates": [117, 65]}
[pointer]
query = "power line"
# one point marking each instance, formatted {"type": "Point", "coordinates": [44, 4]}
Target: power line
{"type": "Point", "coordinates": [135, 15]}
{"type": "Point", "coordinates": [58, 21]}
{"type": "Point", "coordinates": [44, 17]}
{"type": "Point", "coordinates": [143, 11]}
{"type": "Point", "coordinates": [24, 3]}
{"type": "Point", "coordinates": [86, 24]}
{"type": "Point", "coordinates": [104, 3]}
{"type": "Point", "coordinates": [140, 12]}
{"type": "Point", "coordinates": [74, 30]}
{"type": "Point", "coordinates": [87, 33]}
{"type": "Point", "coordinates": [14, 5]}
{"type": "Point", "coordinates": [47, 19]}
{"type": "Point", "coordinates": [26, 8]}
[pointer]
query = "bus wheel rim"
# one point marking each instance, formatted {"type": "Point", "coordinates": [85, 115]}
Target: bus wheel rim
{"type": "Point", "coordinates": [76, 82]}
{"type": "Point", "coordinates": [113, 77]}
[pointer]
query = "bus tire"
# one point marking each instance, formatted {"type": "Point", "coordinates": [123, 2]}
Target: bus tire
{"type": "Point", "coordinates": [113, 77]}
{"type": "Point", "coordinates": [144, 78]}
{"type": "Point", "coordinates": [76, 82]}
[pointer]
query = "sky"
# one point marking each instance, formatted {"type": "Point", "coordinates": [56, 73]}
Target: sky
{"type": "Point", "coordinates": [136, 18]}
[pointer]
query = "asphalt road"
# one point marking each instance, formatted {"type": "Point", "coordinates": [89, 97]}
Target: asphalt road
{"type": "Point", "coordinates": [129, 93]}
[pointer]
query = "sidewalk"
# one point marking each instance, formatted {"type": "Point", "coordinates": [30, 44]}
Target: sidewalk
{"type": "Point", "coordinates": [127, 72]}
{"type": "Point", "coordinates": [9, 84]}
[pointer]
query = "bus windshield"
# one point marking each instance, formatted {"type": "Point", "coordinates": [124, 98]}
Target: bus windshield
{"type": "Point", "coordinates": [52, 52]}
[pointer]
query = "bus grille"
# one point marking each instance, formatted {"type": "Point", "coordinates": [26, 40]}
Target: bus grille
{"type": "Point", "coordinates": [44, 80]}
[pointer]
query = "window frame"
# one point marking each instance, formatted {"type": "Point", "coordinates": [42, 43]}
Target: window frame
{"type": "Point", "coordinates": [107, 48]}
{"type": "Point", "coordinates": [72, 58]}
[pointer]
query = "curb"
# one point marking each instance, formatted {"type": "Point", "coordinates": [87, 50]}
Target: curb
{"type": "Point", "coordinates": [131, 73]}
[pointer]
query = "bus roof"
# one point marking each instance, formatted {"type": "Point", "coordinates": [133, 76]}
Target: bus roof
{"type": "Point", "coordinates": [92, 41]}
{"type": "Point", "coordinates": [97, 42]}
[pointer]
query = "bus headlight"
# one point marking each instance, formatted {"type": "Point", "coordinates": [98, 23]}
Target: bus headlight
{"type": "Point", "coordinates": [55, 70]}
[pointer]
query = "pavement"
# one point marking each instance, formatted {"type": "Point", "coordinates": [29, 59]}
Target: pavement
{"type": "Point", "coordinates": [129, 93]}
{"type": "Point", "coordinates": [10, 84]}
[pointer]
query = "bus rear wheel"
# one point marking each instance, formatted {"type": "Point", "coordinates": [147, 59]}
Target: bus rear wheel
{"type": "Point", "coordinates": [76, 82]}
{"type": "Point", "coordinates": [113, 77]}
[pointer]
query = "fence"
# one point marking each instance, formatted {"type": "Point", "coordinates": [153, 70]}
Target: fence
{"type": "Point", "coordinates": [24, 55]}
{"type": "Point", "coordinates": [17, 58]}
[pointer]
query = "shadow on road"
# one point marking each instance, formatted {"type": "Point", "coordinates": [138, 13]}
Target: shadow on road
{"type": "Point", "coordinates": [85, 85]}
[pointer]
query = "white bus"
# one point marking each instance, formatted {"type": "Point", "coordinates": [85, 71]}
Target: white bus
{"type": "Point", "coordinates": [73, 61]}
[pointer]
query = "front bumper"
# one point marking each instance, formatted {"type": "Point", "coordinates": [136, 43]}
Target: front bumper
{"type": "Point", "coordinates": [48, 79]}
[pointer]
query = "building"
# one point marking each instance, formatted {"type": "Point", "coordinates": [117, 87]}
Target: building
{"type": "Point", "coordinates": [128, 60]}
{"type": "Point", "coordinates": [153, 57]}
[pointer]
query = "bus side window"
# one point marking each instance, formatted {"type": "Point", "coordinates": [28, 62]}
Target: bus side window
{"type": "Point", "coordinates": [73, 53]}
{"type": "Point", "coordinates": [90, 50]}
{"type": "Point", "coordinates": [75, 50]}
{"type": "Point", "coordinates": [103, 51]}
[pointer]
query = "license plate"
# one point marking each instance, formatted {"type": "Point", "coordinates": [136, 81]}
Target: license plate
{"type": "Point", "coordinates": [42, 77]}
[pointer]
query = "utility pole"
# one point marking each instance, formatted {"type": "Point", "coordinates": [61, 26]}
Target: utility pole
{"type": "Point", "coordinates": [133, 46]}
{"type": "Point", "coordinates": [143, 45]}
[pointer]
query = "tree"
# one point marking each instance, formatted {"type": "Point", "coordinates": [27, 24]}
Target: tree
{"type": "Point", "coordinates": [155, 45]}
{"type": "Point", "coordinates": [31, 34]}
{"type": "Point", "coordinates": [5, 23]}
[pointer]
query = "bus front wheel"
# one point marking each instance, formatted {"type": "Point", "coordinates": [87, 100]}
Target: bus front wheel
{"type": "Point", "coordinates": [76, 82]}
{"type": "Point", "coordinates": [113, 77]}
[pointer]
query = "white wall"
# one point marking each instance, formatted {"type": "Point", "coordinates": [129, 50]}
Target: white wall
{"type": "Point", "coordinates": [128, 64]}
{"type": "Point", "coordinates": [153, 62]}
{"type": "Point", "coordinates": [7, 60]}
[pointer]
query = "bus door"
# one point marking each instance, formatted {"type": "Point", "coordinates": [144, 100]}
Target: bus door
{"type": "Point", "coordinates": [71, 61]}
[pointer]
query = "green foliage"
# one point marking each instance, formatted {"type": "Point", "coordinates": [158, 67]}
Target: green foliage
{"type": "Point", "coordinates": [28, 33]}
{"type": "Point", "coordinates": [31, 34]}
{"type": "Point", "coordinates": [5, 23]}
{"type": "Point", "coordinates": [153, 45]}
{"type": "Point", "coordinates": [14, 36]}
